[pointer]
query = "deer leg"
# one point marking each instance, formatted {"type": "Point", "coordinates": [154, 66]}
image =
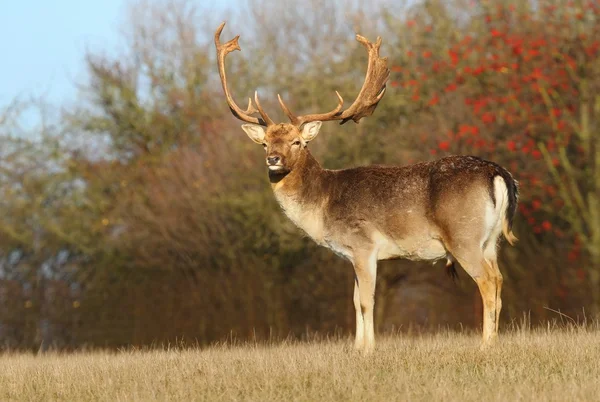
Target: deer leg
{"type": "Point", "coordinates": [488, 289]}
{"type": "Point", "coordinates": [491, 259]}
{"type": "Point", "coordinates": [489, 284]}
{"type": "Point", "coordinates": [360, 326]}
{"type": "Point", "coordinates": [499, 281]}
{"type": "Point", "coordinates": [365, 268]}
{"type": "Point", "coordinates": [497, 276]}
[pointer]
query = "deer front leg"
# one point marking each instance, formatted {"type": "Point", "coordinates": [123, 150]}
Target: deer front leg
{"type": "Point", "coordinates": [365, 268]}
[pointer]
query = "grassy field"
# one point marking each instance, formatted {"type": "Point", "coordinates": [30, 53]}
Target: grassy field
{"type": "Point", "coordinates": [555, 365]}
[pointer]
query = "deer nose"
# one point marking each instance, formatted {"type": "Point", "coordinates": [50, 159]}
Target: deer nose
{"type": "Point", "coordinates": [273, 160]}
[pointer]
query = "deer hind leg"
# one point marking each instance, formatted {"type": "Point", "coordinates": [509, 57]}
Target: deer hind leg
{"type": "Point", "coordinates": [365, 268]}
{"type": "Point", "coordinates": [492, 259]}
{"type": "Point", "coordinates": [489, 281]}
{"type": "Point", "coordinates": [499, 280]}
{"type": "Point", "coordinates": [488, 288]}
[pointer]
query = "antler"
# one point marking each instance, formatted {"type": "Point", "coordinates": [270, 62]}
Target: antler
{"type": "Point", "coordinates": [244, 115]}
{"type": "Point", "coordinates": [369, 96]}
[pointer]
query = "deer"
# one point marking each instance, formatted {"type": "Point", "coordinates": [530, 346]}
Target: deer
{"type": "Point", "coordinates": [456, 208]}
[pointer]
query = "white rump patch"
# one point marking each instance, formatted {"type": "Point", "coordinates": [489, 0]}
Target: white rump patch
{"type": "Point", "coordinates": [493, 218]}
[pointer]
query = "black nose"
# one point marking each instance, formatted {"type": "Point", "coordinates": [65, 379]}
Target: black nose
{"type": "Point", "coordinates": [273, 160]}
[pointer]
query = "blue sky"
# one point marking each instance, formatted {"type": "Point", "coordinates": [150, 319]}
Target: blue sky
{"type": "Point", "coordinates": [42, 43]}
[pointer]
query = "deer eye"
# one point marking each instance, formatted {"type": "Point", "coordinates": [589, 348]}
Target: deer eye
{"type": "Point", "coordinates": [264, 145]}
{"type": "Point", "coordinates": [297, 142]}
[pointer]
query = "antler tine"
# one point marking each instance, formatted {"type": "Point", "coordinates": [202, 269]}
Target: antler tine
{"type": "Point", "coordinates": [222, 51]}
{"type": "Point", "coordinates": [250, 109]}
{"type": "Point", "coordinates": [287, 111]}
{"type": "Point", "coordinates": [369, 96]}
{"type": "Point", "coordinates": [298, 121]}
{"type": "Point", "coordinates": [263, 114]}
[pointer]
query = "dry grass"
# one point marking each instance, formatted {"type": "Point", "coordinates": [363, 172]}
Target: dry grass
{"type": "Point", "coordinates": [553, 365]}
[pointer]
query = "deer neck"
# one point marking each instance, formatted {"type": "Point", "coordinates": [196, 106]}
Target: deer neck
{"type": "Point", "coordinates": [306, 173]}
{"type": "Point", "coordinates": [298, 194]}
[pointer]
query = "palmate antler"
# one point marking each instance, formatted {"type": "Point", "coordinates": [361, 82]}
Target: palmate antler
{"type": "Point", "coordinates": [369, 96]}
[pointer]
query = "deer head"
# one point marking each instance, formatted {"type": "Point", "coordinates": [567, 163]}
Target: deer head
{"type": "Point", "coordinates": [285, 143]}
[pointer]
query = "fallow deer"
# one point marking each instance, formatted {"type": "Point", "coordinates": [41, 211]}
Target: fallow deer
{"type": "Point", "coordinates": [455, 208]}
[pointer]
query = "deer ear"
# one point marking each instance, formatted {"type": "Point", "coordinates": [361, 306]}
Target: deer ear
{"type": "Point", "coordinates": [255, 132]}
{"type": "Point", "coordinates": [310, 130]}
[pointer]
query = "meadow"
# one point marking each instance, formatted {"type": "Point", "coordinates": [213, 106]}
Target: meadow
{"type": "Point", "coordinates": [552, 364]}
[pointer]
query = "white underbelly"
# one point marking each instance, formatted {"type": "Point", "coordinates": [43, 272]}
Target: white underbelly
{"type": "Point", "coordinates": [424, 249]}
{"type": "Point", "coordinates": [338, 249]}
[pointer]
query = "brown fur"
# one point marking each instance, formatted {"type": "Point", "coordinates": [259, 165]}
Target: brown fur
{"type": "Point", "coordinates": [427, 211]}
{"type": "Point", "coordinates": [389, 191]}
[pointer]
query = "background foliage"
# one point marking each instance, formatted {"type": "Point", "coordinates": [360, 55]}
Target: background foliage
{"type": "Point", "coordinates": [143, 215]}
